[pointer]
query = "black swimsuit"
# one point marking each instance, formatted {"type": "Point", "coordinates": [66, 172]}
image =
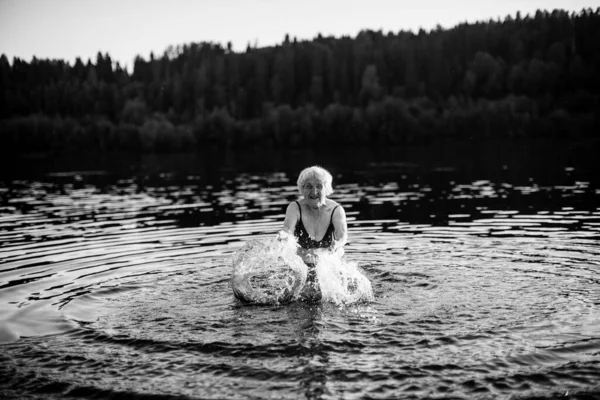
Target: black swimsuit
{"type": "Point", "coordinates": [306, 242]}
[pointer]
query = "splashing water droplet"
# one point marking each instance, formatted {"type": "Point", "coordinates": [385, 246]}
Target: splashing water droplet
{"type": "Point", "coordinates": [341, 281]}
{"type": "Point", "coordinates": [269, 271]}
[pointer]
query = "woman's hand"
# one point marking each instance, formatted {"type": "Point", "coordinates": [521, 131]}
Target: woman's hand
{"type": "Point", "coordinates": [282, 236]}
{"type": "Point", "coordinates": [338, 248]}
{"type": "Point", "coordinates": [307, 255]}
{"type": "Point", "coordinates": [310, 258]}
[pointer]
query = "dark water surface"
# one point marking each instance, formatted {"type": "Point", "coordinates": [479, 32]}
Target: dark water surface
{"type": "Point", "coordinates": [484, 261]}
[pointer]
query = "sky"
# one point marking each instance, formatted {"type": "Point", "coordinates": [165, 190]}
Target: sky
{"type": "Point", "coordinates": [66, 29]}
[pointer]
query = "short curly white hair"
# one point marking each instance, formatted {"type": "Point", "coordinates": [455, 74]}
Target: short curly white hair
{"type": "Point", "coordinates": [316, 172]}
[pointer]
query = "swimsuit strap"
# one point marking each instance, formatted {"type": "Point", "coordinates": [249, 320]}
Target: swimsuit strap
{"type": "Point", "coordinates": [300, 210]}
{"type": "Point", "coordinates": [331, 221]}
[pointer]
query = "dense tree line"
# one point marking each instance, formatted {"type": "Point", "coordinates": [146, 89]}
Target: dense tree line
{"type": "Point", "coordinates": [523, 76]}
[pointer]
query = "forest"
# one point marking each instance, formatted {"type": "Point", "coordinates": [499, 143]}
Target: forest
{"type": "Point", "coordinates": [521, 77]}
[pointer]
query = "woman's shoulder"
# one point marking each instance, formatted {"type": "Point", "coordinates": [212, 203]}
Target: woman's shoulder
{"type": "Point", "coordinates": [338, 211]}
{"type": "Point", "coordinates": [294, 206]}
{"type": "Point", "coordinates": [333, 204]}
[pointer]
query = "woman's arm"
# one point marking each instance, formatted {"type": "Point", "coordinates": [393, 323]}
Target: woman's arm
{"type": "Point", "coordinates": [291, 218]}
{"type": "Point", "coordinates": [340, 234]}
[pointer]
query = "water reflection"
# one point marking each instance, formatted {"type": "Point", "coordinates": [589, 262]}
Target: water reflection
{"type": "Point", "coordinates": [118, 285]}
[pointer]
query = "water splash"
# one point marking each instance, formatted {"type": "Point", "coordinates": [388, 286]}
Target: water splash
{"type": "Point", "coordinates": [268, 271]}
{"type": "Point", "coordinates": [341, 281]}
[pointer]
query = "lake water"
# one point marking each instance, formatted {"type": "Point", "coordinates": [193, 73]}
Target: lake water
{"type": "Point", "coordinates": [484, 263]}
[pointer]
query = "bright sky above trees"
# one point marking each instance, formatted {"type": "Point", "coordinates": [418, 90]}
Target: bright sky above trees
{"type": "Point", "coordinates": [67, 29]}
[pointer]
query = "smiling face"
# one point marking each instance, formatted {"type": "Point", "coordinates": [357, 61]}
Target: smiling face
{"type": "Point", "coordinates": [314, 183]}
{"type": "Point", "coordinates": [313, 192]}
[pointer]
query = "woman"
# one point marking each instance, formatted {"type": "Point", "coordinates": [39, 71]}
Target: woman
{"type": "Point", "coordinates": [316, 221]}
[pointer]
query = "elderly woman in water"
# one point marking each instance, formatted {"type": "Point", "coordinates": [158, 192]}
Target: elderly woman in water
{"type": "Point", "coordinates": [316, 221]}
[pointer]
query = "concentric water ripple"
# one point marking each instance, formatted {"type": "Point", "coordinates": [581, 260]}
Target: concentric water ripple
{"type": "Point", "coordinates": [118, 288]}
